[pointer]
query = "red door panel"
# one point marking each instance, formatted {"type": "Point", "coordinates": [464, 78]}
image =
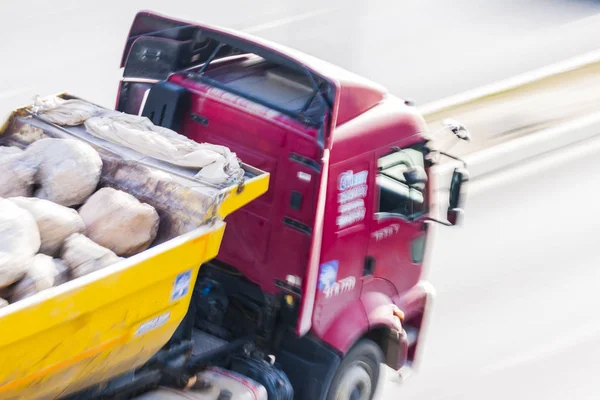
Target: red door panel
{"type": "Point", "coordinates": [345, 240]}
{"type": "Point", "coordinates": [397, 226]}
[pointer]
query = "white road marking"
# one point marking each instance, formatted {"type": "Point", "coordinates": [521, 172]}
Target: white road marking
{"type": "Point", "coordinates": [530, 167]}
{"type": "Point", "coordinates": [512, 83]}
{"type": "Point", "coordinates": [559, 344]}
{"type": "Point", "coordinates": [288, 20]}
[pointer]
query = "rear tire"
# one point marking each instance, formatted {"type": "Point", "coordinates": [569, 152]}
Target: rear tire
{"type": "Point", "coordinates": [358, 374]}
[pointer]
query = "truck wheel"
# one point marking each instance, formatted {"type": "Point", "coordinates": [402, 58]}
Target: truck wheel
{"type": "Point", "coordinates": [358, 374]}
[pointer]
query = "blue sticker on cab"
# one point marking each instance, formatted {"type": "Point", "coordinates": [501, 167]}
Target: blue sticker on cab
{"type": "Point", "coordinates": [328, 274]}
{"type": "Point", "coordinates": [181, 286]}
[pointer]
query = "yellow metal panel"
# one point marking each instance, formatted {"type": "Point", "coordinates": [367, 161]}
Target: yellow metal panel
{"type": "Point", "coordinates": [94, 328]}
{"type": "Point", "coordinates": [252, 189]}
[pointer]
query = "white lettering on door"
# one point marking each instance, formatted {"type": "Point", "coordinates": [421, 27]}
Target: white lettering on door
{"type": "Point", "coordinates": [349, 179]}
{"type": "Point", "coordinates": [386, 232]}
{"type": "Point", "coordinates": [350, 218]}
{"type": "Point", "coordinates": [339, 287]}
{"type": "Point", "coordinates": [352, 191]}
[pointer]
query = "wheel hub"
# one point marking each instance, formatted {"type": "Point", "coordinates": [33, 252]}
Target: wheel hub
{"type": "Point", "coordinates": [356, 383]}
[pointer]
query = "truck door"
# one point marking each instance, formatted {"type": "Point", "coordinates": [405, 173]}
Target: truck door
{"type": "Point", "coordinates": [345, 239]}
{"type": "Point", "coordinates": [397, 240]}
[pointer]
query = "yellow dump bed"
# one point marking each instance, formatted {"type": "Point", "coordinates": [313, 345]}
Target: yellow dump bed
{"type": "Point", "coordinates": [103, 324]}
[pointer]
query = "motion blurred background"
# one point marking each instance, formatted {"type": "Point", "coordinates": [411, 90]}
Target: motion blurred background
{"type": "Point", "coordinates": [425, 50]}
{"type": "Point", "coordinates": [516, 313]}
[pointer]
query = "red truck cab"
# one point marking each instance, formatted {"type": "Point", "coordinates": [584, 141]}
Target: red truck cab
{"type": "Point", "coordinates": [326, 268]}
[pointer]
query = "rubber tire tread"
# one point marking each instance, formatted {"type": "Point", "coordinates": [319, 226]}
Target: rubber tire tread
{"type": "Point", "coordinates": [365, 350]}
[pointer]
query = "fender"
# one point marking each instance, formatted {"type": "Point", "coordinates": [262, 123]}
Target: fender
{"type": "Point", "coordinates": [381, 310]}
{"type": "Point", "coordinates": [417, 305]}
{"type": "Point", "coordinates": [373, 315]}
{"type": "Point", "coordinates": [385, 326]}
{"type": "Point", "coordinates": [349, 325]}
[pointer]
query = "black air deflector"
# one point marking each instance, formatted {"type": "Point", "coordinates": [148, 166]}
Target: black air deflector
{"type": "Point", "coordinates": [158, 46]}
{"type": "Point", "coordinates": [166, 105]}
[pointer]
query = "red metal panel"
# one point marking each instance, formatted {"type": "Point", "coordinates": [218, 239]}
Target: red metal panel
{"type": "Point", "coordinates": [258, 242]}
{"type": "Point", "coordinates": [349, 325]}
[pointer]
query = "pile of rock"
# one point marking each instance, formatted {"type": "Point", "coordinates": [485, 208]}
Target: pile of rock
{"type": "Point", "coordinates": [56, 224]}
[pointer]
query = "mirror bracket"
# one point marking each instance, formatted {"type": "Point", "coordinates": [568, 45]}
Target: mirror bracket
{"type": "Point", "coordinates": [439, 221]}
{"type": "Point", "coordinates": [458, 129]}
{"type": "Point", "coordinates": [454, 216]}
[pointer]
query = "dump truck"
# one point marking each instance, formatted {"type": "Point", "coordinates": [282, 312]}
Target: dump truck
{"type": "Point", "coordinates": [317, 280]}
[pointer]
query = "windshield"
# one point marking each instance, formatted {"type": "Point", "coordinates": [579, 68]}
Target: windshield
{"type": "Point", "coordinates": [398, 195]}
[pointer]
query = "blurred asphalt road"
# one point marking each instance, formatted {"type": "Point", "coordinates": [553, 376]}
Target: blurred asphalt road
{"type": "Point", "coordinates": [516, 312]}
{"type": "Point", "coordinates": [424, 50]}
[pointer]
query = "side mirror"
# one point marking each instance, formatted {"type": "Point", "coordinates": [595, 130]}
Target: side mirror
{"type": "Point", "coordinates": [457, 128]}
{"type": "Point", "coordinates": [415, 175]}
{"type": "Point", "coordinates": [459, 179]}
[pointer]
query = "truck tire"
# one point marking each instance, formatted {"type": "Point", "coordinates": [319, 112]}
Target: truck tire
{"type": "Point", "coordinates": [358, 374]}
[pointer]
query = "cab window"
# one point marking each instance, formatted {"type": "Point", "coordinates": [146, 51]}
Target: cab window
{"type": "Point", "coordinates": [401, 182]}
